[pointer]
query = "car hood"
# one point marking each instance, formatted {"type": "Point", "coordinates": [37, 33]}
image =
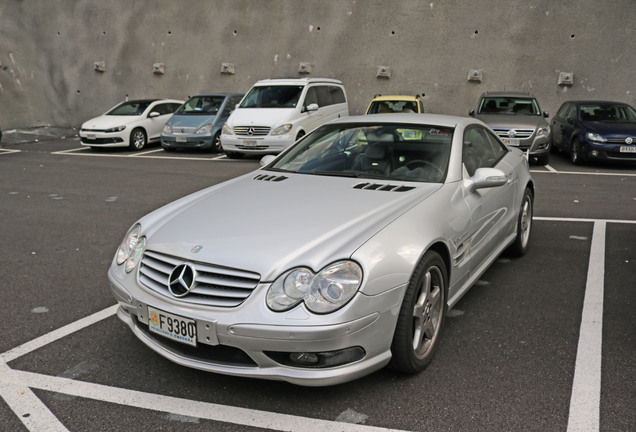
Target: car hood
{"type": "Point", "coordinates": [267, 225]}
{"type": "Point", "coordinates": [108, 121]}
{"type": "Point", "coordinates": [512, 121]}
{"type": "Point", "coordinates": [611, 130]}
{"type": "Point", "coordinates": [191, 121]}
{"type": "Point", "coordinates": [260, 116]}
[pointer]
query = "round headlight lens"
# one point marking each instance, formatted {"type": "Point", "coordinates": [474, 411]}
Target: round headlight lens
{"type": "Point", "coordinates": [324, 292]}
{"type": "Point", "coordinates": [135, 255]}
{"type": "Point", "coordinates": [334, 286]}
{"type": "Point", "coordinates": [128, 244]}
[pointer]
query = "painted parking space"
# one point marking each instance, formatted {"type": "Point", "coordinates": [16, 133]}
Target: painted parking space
{"type": "Point", "coordinates": [19, 383]}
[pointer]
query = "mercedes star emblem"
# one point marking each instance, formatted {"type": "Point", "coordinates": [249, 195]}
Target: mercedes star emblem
{"type": "Point", "coordinates": [182, 280]}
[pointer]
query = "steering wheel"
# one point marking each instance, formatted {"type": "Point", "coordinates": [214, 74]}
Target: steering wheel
{"type": "Point", "coordinates": [417, 163]}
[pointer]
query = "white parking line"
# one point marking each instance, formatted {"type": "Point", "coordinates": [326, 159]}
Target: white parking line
{"type": "Point", "coordinates": [143, 155]}
{"type": "Point", "coordinates": [609, 174]}
{"type": "Point", "coordinates": [585, 402]}
{"type": "Point", "coordinates": [15, 386]}
{"type": "Point", "coordinates": [8, 151]}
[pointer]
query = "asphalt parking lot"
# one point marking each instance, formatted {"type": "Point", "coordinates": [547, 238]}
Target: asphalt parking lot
{"type": "Point", "coordinates": [546, 342]}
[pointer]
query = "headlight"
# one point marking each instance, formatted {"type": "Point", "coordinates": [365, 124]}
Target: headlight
{"type": "Point", "coordinates": [167, 128]}
{"type": "Point", "coordinates": [281, 130]}
{"type": "Point", "coordinates": [131, 249]}
{"type": "Point", "coordinates": [116, 129]}
{"type": "Point", "coordinates": [206, 129]}
{"type": "Point", "coordinates": [227, 130]}
{"type": "Point", "coordinates": [324, 292]}
{"type": "Point", "coordinates": [595, 137]}
{"type": "Point", "coordinates": [543, 131]}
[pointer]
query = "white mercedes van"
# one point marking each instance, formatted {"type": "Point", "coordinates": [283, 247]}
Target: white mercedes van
{"type": "Point", "coordinates": [277, 112]}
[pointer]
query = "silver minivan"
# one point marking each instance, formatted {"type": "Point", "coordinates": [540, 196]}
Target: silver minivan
{"type": "Point", "coordinates": [277, 112]}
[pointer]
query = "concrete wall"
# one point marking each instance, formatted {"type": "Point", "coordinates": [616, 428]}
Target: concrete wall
{"type": "Point", "coordinates": [48, 50]}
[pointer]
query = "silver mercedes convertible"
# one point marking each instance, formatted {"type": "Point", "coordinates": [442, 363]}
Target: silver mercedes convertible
{"type": "Point", "coordinates": [337, 258]}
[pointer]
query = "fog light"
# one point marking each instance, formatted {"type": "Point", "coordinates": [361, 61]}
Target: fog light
{"type": "Point", "coordinates": [304, 359]}
{"type": "Point", "coordinates": [594, 153]}
{"type": "Point", "coordinates": [318, 360]}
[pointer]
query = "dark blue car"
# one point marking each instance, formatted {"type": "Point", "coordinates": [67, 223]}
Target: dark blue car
{"type": "Point", "coordinates": [595, 130]}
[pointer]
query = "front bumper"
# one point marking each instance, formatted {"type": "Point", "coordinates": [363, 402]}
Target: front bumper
{"type": "Point", "coordinates": [256, 145]}
{"type": "Point", "coordinates": [615, 152]}
{"type": "Point", "coordinates": [104, 139]}
{"type": "Point", "coordinates": [234, 341]}
{"type": "Point", "coordinates": [186, 141]}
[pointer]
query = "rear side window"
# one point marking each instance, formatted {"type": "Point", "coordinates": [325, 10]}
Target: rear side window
{"type": "Point", "coordinates": [330, 95]}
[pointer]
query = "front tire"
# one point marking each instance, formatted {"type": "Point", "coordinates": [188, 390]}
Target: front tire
{"type": "Point", "coordinates": [216, 143]}
{"type": "Point", "coordinates": [524, 225]}
{"type": "Point", "coordinates": [421, 320]}
{"type": "Point", "coordinates": [576, 155]}
{"type": "Point", "coordinates": [138, 139]}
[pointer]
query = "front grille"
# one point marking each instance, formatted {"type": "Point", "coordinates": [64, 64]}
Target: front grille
{"type": "Point", "coordinates": [252, 147]}
{"type": "Point", "coordinates": [618, 140]}
{"type": "Point", "coordinates": [183, 130]}
{"type": "Point", "coordinates": [214, 285]}
{"type": "Point", "coordinates": [92, 141]}
{"type": "Point", "coordinates": [251, 130]}
{"type": "Point", "coordinates": [519, 133]}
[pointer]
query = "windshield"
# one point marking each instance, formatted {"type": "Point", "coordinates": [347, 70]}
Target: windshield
{"type": "Point", "coordinates": [197, 105]}
{"type": "Point", "coordinates": [131, 108]}
{"type": "Point", "coordinates": [509, 106]}
{"type": "Point", "coordinates": [391, 106]}
{"type": "Point", "coordinates": [272, 97]}
{"type": "Point", "coordinates": [607, 113]}
{"type": "Point", "coordinates": [404, 152]}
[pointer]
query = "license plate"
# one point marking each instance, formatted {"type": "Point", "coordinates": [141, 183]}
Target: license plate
{"type": "Point", "coordinates": [173, 327]}
{"type": "Point", "coordinates": [628, 149]}
{"type": "Point", "coordinates": [250, 143]}
{"type": "Point", "coordinates": [511, 142]}
{"type": "Point", "coordinates": [182, 139]}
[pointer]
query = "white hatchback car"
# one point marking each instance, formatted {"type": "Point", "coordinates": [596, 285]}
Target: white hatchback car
{"type": "Point", "coordinates": [132, 124]}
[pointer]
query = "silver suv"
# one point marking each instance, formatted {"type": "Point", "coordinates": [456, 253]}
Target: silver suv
{"type": "Point", "coordinates": [517, 119]}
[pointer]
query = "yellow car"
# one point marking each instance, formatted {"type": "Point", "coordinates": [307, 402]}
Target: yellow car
{"type": "Point", "coordinates": [395, 103]}
{"type": "Point", "coordinates": [398, 104]}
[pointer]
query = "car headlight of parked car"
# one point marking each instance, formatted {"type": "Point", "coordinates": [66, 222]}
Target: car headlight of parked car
{"type": "Point", "coordinates": [282, 130]}
{"type": "Point", "coordinates": [131, 249]}
{"type": "Point", "coordinates": [324, 292]}
{"type": "Point", "coordinates": [116, 129]}
{"type": "Point", "coordinates": [167, 128]}
{"type": "Point", "coordinates": [227, 130]}
{"type": "Point", "coordinates": [595, 137]}
{"type": "Point", "coordinates": [543, 131]}
{"type": "Point", "coordinates": [205, 129]}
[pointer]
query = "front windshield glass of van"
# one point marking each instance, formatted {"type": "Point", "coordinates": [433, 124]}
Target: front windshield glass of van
{"type": "Point", "coordinates": [400, 152]}
{"type": "Point", "coordinates": [279, 96]}
{"type": "Point", "coordinates": [197, 105]}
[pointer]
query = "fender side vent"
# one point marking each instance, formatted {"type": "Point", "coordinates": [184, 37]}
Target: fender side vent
{"type": "Point", "coordinates": [383, 187]}
{"type": "Point", "coordinates": [272, 178]}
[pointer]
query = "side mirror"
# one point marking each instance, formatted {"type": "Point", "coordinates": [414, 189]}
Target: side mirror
{"type": "Point", "coordinates": [312, 107]}
{"type": "Point", "coordinates": [153, 114]}
{"type": "Point", "coordinates": [471, 113]}
{"type": "Point", "coordinates": [487, 178]}
{"type": "Point", "coordinates": [545, 114]}
{"type": "Point", "coordinates": [267, 159]}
